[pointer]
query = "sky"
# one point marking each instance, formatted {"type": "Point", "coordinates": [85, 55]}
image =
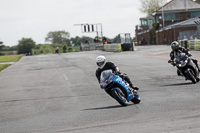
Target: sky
{"type": "Point", "coordinates": [36, 18]}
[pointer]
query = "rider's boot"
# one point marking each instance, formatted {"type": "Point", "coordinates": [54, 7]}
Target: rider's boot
{"type": "Point", "coordinates": [195, 61]}
{"type": "Point", "coordinates": [134, 87]}
{"type": "Point", "coordinates": [125, 77]}
{"type": "Point", "coordinates": [198, 67]}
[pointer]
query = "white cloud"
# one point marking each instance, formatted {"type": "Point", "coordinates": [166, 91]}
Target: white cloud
{"type": "Point", "coordinates": [35, 18]}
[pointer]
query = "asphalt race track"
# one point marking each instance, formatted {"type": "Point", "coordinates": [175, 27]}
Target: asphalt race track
{"type": "Point", "coordinates": [59, 93]}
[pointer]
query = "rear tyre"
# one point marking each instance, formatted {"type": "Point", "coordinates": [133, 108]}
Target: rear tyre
{"type": "Point", "coordinates": [197, 79]}
{"type": "Point", "coordinates": [120, 97]}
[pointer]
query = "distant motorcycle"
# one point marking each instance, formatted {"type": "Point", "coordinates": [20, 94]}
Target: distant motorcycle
{"type": "Point", "coordinates": [118, 88]}
{"type": "Point", "coordinates": [186, 67]}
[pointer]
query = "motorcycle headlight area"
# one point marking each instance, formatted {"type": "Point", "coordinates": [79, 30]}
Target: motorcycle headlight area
{"type": "Point", "coordinates": [186, 61]}
{"type": "Point", "coordinates": [183, 63]}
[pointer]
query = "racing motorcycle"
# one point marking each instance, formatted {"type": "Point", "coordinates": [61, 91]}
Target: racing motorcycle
{"type": "Point", "coordinates": [186, 67]}
{"type": "Point", "coordinates": [118, 88]}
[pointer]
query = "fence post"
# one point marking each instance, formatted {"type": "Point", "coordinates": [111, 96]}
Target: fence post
{"type": "Point", "coordinates": [133, 46]}
{"type": "Point", "coordinates": [196, 45]}
{"type": "Point", "coordinates": [189, 44]}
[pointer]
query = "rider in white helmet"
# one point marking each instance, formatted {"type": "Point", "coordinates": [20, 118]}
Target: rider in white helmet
{"type": "Point", "coordinates": [105, 65]}
{"type": "Point", "coordinates": [101, 61]}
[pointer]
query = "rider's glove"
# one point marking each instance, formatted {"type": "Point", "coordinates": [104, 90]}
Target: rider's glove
{"type": "Point", "coordinates": [173, 63]}
{"type": "Point", "coordinates": [189, 54]}
{"type": "Point", "coordinates": [116, 72]}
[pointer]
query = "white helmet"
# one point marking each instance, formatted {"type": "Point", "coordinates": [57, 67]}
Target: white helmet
{"type": "Point", "coordinates": [101, 61]}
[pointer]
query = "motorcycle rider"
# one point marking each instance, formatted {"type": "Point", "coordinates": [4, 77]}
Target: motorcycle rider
{"type": "Point", "coordinates": [176, 48]}
{"type": "Point", "coordinates": [105, 65]}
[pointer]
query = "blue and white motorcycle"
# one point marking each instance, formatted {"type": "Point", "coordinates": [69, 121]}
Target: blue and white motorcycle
{"type": "Point", "coordinates": [118, 88]}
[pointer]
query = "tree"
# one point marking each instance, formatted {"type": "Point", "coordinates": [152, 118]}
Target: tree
{"type": "Point", "coordinates": [150, 6]}
{"type": "Point", "coordinates": [115, 39]}
{"type": "Point", "coordinates": [76, 40]}
{"type": "Point", "coordinates": [1, 47]}
{"type": "Point", "coordinates": [64, 48]}
{"type": "Point", "coordinates": [25, 45]}
{"type": "Point", "coordinates": [60, 37]}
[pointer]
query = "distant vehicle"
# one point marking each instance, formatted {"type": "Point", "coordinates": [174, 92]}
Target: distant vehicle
{"type": "Point", "coordinates": [125, 40]}
{"type": "Point", "coordinates": [118, 88]}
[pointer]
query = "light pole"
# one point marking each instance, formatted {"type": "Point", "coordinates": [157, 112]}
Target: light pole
{"type": "Point", "coordinates": [163, 17]}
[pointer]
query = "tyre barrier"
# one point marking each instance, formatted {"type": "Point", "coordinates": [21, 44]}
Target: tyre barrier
{"type": "Point", "coordinates": [191, 44]}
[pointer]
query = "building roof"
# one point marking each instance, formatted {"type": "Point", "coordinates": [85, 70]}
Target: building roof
{"type": "Point", "coordinates": [180, 5]}
{"type": "Point", "coordinates": [189, 22]}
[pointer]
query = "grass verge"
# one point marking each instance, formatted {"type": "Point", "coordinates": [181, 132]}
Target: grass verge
{"type": "Point", "coordinates": [10, 58]}
{"type": "Point", "coordinates": [3, 66]}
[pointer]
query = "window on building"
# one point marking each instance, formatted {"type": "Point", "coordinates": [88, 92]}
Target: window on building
{"type": "Point", "coordinates": [171, 16]}
{"type": "Point", "coordinates": [195, 14]}
{"type": "Point", "coordinates": [143, 22]}
{"type": "Point", "coordinates": [176, 16]}
{"type": "Point", "coordinates": [188, 15]}
{"type": "Point", "coordinates": [168, 16]}
{"type": "Point", "coordinates": [150, 23]}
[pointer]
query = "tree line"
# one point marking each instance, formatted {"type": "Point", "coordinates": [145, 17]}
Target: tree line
{"type": "Point", "coordinates": [53, 40]}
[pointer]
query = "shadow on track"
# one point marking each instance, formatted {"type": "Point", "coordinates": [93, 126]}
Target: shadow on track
{"type": "Point", "coordinates": [178, 84]}
{"type": "Point", "coordinates": [109, 107]}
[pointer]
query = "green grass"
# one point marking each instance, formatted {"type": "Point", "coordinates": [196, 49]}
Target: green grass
{"type": "Point", "coordinates": [3, 66]}
{"type": "Point", "coordinates": [9, 52]}
{"type": "Point", "coordinates": [10, 58]}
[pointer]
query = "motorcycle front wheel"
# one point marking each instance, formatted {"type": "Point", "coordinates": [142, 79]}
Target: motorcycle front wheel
{"type": "Point", "coordinates": [190, 75]}
{"type": "Point", "coordinates": [120, 97]}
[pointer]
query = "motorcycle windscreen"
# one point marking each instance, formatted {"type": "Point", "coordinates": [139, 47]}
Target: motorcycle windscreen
{"type": "Point", "coordinates": [106, 77]}
{"type": "Point", "coordinates": [180, 58]}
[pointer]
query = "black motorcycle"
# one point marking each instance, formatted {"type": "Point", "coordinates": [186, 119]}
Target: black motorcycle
{"type": "Point", "coordinates": [186, 67]}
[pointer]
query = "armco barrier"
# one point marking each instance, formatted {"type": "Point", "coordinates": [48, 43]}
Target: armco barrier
{"type": "Point", "coordinates": [99, 46]}
{"type": "Point", "coordinates": [191, 44]}
{"type": "Point", "coordinates": [92, 46]}
{"type": "Point", "coordinates": [116, 47]}
{"type": "Point", "coordinates": [85, 47]}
